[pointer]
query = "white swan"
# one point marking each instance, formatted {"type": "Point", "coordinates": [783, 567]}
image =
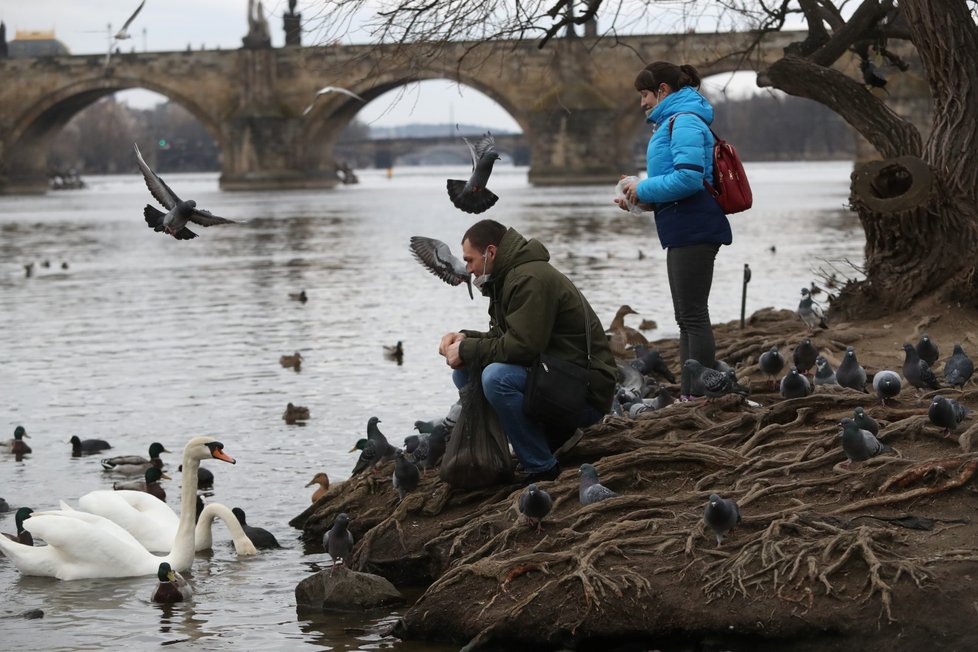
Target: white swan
{"type": "Point", "coordinates": [154, 523]}
{"type": "Point", "coordinates": [83, 545]}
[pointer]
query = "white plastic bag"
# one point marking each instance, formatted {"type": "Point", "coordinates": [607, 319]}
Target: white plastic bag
{"type": "Point", "coordinates": [634, 209]}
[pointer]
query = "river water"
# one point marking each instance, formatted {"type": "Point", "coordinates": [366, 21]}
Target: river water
{"type": "Point", "coordinates": [144, 338]}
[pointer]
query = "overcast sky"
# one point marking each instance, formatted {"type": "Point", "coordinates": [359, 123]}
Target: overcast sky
{"type": "Point", "coordinates": [168, 25]}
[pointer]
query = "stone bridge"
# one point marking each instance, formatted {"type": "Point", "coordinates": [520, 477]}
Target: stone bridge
{"type": "Point", "coordinates": [574, 100]}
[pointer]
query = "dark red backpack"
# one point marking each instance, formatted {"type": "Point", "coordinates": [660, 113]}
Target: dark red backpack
{"type": "Point", "coordinates": [730, 186]}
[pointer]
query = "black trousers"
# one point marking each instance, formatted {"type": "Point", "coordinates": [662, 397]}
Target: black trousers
{"type": "Point", "coordinates": [690, 272]}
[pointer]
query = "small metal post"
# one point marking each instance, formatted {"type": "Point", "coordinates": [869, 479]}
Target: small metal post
{"type": "Point", "coordinates": [743, 294]}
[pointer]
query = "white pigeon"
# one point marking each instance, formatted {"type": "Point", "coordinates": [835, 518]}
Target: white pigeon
{"type": "Point", "coordinates": [331, 89]}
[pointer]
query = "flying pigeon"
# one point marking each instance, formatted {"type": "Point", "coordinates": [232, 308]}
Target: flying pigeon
{"type": "Point", "coordinates": [590, 490]}
{"type": "Point", "coordinates": [472, 196]}
{"type": "Point", "coordinates": [860, 445]}
{"type": "Point", "coordinates": [850, 373]}
{"type": "Point", "coordinates": [721, 515]}
{"type": "Point", "coordinates": [865, 421]}
{"type": "Point", "coordinates": [771, 363]}
{"type": "Point", "coordinates": [535, 504]}
{"type": "Point", "coordinates": [946, 413]}
{"type": "Point", "coordinates": [406, 475]}
{"type": "Point", "coordinates": [824, 374]}
{"type": "Point", "coordinates": [810, 312]}
{"type": "Point", "coordinates": [338, 541]}
{"type": "Point", "coordinates": [438, 258]}
{"type": "Point", "coordinates": [887, 384]}
{"type": "Point", "coordinates": [180, 212]}
{"type": "Point", "coordinates": [715, 383]}
{"type": "Point", "coordinates": [331, 89]}
{"type": "Point", "coordinates": [123, 33]}
{"type": "Point", "coordinates": [958, 368]}
{"type": "Point", "coordinates": [917, 372]}
{"type": "Point", "coordinates": [795, 385]}
{"type": "Point", "coordinates": [928, 350]}
{"type": "Point", "coordinates": [804, 355]}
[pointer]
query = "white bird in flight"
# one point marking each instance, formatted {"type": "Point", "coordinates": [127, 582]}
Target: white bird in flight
{"type": "Point", "coordinates": [331, 89]}
{"type": "Point", "coordinates": [123, 34]}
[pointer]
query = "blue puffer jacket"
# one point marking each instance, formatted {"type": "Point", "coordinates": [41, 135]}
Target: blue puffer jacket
{"type": "Point", "coordinates": [685, 213]}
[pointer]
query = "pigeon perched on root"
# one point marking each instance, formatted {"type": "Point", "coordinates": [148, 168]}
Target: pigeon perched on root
{"type": "Point", "coordinates": [958, 368]}
{"type": "Point", "coordinates": [859, 445]}
{"type": "Point", "coordinates": [473, 196]}
{"type": "Point", "coordinates": [850, 373]}
{"type": "Point", "coordinates": [180, 212]}
{"type": "Point", "coordinates": [715, 383]}
{"type": "Point", "coordinates": [721, 515]}
{"type": "Point", "coordinates": [771, 363]}
{"type": "Point", "coordinates": [810, 312]}
{"type": "Point", "coordinates": [438, 259]}
{"type": "Point", "coordinates": [535, 504]}
{"type": "Point", "coordinates": [917, 372]}
{"type": "Point", "coordinates": [795, 385]}
{"type": "Point", "coordinates": [946, 413]}
{"type": "Point", "coordinates": [824, 374]}
{"type": "Point", "coordinates": [887, 384]}
{"type": "Point", "coordinates": [590, 490]}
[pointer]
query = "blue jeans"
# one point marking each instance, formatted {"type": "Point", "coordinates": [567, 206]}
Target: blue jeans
{"type": "Point", "coordinates": [504, 385]}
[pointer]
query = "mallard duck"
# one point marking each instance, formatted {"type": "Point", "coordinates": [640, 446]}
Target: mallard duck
{"type": "Point", "coordinates": [87, 446]}
{"type": "Point", "coordinates": [22, 536]}
{"type": "Point", "coordinates": [261, 537]}
{"type": "Point", "coordinates": [395, 352]}
{"type": "Point", "coordinates": [293, 361]}
{"type": "Point", "coordinates": [295, 413]}
{"type": "Point", "coordinates": [171, 587]}
{"type": "Point", "coordinates": [18, 446]}
{"type": "Point", "coordinates": [323, 481]}
{"type": "Point", "coordinates": [621, 336]}
{"type": "Point", "coordinates": [83, 545]}
{"type": "Point", "coordinates": [299, 296]}
{"type": "Point", "coordinates": [135, 464]}
{"type": "Point", "coordinates": [149, 484]}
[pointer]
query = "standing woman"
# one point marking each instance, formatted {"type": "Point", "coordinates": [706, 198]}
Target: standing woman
{"type": "Point", "coordinates": [690, 223]}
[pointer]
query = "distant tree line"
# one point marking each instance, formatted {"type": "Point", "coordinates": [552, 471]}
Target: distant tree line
{"type": "Point", "coordinates": [99, 139]}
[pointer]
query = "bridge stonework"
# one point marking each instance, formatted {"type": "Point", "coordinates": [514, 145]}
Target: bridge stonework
{"type": "Point", "coordinates": [574, 100]}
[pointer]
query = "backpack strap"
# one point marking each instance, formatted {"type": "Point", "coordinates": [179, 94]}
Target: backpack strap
{"type": "Point", "coordinates": [674, 116]}
{"type": "Point", "coordinates": [716, 141]}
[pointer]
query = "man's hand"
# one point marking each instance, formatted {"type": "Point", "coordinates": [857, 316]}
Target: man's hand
{"type": "Point", "coordinates": [452, 356]}
{"type": "Point", "coordinates": [447, 340]}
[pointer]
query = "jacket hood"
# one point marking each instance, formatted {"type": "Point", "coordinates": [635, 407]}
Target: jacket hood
{"type": "Point", "coordinates": [515, 250]}
{"type": "Point", "coordinates": [685, 100]}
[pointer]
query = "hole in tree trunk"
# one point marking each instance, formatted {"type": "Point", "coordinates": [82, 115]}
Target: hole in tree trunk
{"type": "Point", "coordinates": [891, 181]}
{"type": "Point", "coordinates": [895, 185]}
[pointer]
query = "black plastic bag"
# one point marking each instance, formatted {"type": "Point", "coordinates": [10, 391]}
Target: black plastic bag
{"type": "Point", "coordinates": [477, 455]}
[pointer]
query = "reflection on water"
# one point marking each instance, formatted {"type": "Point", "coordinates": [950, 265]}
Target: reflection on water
{"type": "Point", "coordinates": [144, 338]}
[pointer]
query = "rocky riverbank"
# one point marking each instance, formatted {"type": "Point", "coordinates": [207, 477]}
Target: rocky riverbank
{"type": "Point", "coordinates": [875, 556]}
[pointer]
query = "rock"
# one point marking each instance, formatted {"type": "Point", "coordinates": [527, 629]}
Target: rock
{"type": "Point", "coordinates": [345, 590]}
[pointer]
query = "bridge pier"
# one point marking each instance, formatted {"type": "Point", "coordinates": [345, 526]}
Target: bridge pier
{"type": "Point", "coordinates": [575, 148]}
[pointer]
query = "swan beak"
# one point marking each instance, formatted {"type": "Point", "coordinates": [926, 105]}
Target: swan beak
{"type": "Point", "coordinates": [221, 455]}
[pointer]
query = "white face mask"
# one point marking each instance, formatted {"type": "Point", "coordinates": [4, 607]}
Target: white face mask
{"type": "Point", "coordinates": [480, 280]}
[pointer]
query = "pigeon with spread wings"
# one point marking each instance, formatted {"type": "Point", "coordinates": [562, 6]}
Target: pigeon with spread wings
{"type": "Point", "coordinates": [180, 212]}
{"type": "Point", "coordinates": [472, 196]}
{"type": "Point", "coordinates": [331, 89]}
{"type": "Point", "coordinates": [440, 261]}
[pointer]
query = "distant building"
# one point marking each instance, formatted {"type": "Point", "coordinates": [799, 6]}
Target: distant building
{"type": "Point", "coordinates": [28, 44]}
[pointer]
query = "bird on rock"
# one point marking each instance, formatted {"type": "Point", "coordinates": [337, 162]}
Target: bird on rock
{"type": "Point", "coordinates": [865, 421]}
{"type": "Point", "coordinates": [180, 212]}
{"type": "Point", "coordinates": [172, 587]}
{"type": "Point", "coordinates": [259, 536]}
{"type": "Point", "coordinates": [715, 383]}
{"type": "Point", "coordinates": [649, 362]}
{"type": "Point", "coordinates": [406, 475]}
{"type": "Point", "coordinates": [473, 196]}
{"type": "Point", "coordinates": [535, 504]}
{"type": "Point", "coordinates": [824, 374]}
{"type": "Point", "coordinates": [23, 536]}
{"type": "Point", "coordinates": [928, 350]}
{"type": "Point", "coordinates": [590, 490]}
{"type": "Point", "coordinates": [771, 363]}
{"type": "Point", "coordinates": [804, 355]}
{"type": "Point", "coordinates": [917, 372]}
{"type": "Point", "coordinates": [417, 446]}
{"type": "Point", "coordinates": [946, 413]}
{"type": "Point", "coordinates": [721, 515]}
{"type": "Point", "coordinates": [810, 312]}
{"type": "Point", "coordinates": [81, 447]}
{"type": "Point", "coordinates": [887, 384]}
{"type": "Point", "coordinates": [338, 541]}
{"type": "Point", "coordinates": [958, 368]}
{"type": "Point", "coordinates": [437, 443]}
{"type": "Point", "coordinates": [323, 481]}
{"type": "Point", "coordinates": [850, 373]}
{"type": "Point", "coordinates": [795, 385]}
{"type": "Point", "coordinates": [386, 450]}
{"type": "Point", "coordinates": [368, 456]}
{"type": "Point", "coordinates": [437, 258]}
{"type": "Point", "coordinates": [663, 398]}
{"type": "Point", "coordinates": [859, 445]}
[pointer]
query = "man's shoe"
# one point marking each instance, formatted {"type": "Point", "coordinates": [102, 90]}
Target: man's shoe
{"type": "Point", "coordinates": [542, 476]}
{"type": "Point", "coordinates": [571, 442]}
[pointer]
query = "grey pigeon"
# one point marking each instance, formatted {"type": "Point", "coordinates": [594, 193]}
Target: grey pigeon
{"type": "Point", "coordinates": [472, 196]}
{"type": "Point", "coordinates": [330, 89]}
{"type": "Point", "coordinates": [721, 515]}
{"type": "Point", "coordinates": [662, 399]}
{"type": "Point", "coordinates": [810, 312]}
{"type": "Point", "coordinates": [368, 456]}
{"type": "Point", "coordinates": [437, 442]}
{"type": "Point", "coordinates": [631, 382]}
{"type": "Point", "coordinates": [958, 368]}
{"type": "Point", "coordinates": [824, 375]}
{"type": "Point", "coordinates": [417, 446]}
{"type": "Point", "coordinates": [887, 384]}
{"type": "Point", "coordinates": [804, 355]}
{"type": "Point", "coordinates": [384, 448]}
{"type": "Point", "coordinates": [180, 212]}
{"type": "Point", "coordinates": [860, 445]}
{"type": "Point", "coordinates": [865, 422]}
{"type": "Point", "coordinates": [928, 350]}
{"type": "Point", "coordinates": [259, 536]}
{"type": "Point", "coordinates": [87, 446]}
{"type": "Point", "coordinates": [406, 475]}
{"type": "Point", "coordinates": [795, 385]}
{"type": "Point", "coordinates": [535, 504]}
{"type": "Point", "coordinates": [850, 373]}
{"type": "Point", "coordinates": [338, 541]}
{"type": "Point", "coordinates": [946, 413]}
{"type": "Point", "coordinates": [438, 259]}
{"type": "Point", "coordinates": [917, 372]}
{"type": "Point", "coordinates": [771, 363]}
{"type": "Point", "coordinates": [590, 490]}
{"type": "Point", "coordinates": [715, 383]}
{"type": "Point", "coordinates": [649, 362]}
